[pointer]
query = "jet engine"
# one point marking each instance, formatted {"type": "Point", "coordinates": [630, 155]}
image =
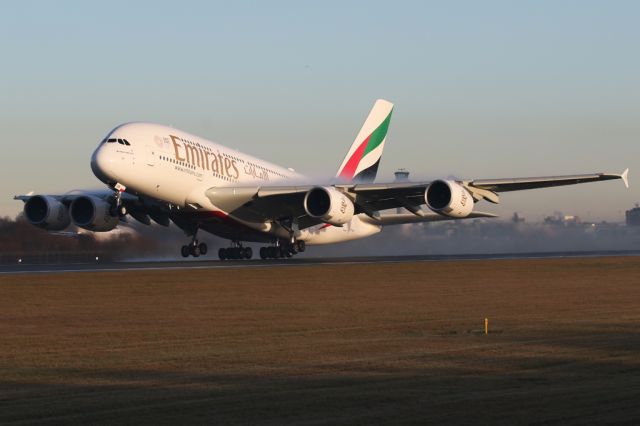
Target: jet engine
{"type": "Point", "coordinates": [92, 213]}
{"type": "Point", "coordinates": [449, 198]}
{"type": "Point", "coordinates": [45, 212]}
{"type": "Point", "coordinates": [329, 205]}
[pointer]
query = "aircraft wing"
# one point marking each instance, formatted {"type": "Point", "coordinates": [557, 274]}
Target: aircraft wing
{"type": "Point", "coordinates": [282, 203]}
{"type": "Point", "coordinates": [518, 184]}
{"type": "Point", "coordinates": [410, 195]}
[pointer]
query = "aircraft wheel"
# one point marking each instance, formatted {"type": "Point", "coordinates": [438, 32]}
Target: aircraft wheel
{"type": "Point", "coordinates": [248, 253]}
{"type": "Point", "coordinates": [195, 251]}
{"type": "Point", "coordinates": [185, 251]}
{"type": "Point", "coordinates": [263, 253]}
{"type": "Point", "coordinates": [301, 246]}
{"type": "Point", "coordinates": [222, 254]}
{"type": "Point", "coordinates": [203, 248]}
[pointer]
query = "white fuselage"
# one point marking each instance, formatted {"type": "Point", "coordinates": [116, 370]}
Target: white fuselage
{"type": "Point", "coordinates": [176, 167]}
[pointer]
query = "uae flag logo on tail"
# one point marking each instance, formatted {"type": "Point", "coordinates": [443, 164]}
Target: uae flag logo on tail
{"type": "Point", "coordinates": [362, 161]}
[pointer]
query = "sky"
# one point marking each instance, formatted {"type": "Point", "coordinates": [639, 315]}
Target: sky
{"type": "Point", "coordinates": [485, 89]}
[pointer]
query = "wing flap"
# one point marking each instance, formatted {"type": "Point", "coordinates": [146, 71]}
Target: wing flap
{"type": "Point", "coordinates": [405, 218]}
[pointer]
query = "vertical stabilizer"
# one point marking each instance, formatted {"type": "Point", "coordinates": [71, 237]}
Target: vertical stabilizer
{"type": "Point", "coordinates": [362, 160]}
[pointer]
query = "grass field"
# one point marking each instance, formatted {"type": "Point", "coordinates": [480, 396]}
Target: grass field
{"type": "Point", "coordinates": [394, 343]}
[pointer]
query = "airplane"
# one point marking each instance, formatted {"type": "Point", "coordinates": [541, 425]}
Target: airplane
{"type": "Point", "coordinates": [161, 174]}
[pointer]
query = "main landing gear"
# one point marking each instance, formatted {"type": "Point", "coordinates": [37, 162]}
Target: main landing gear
{"type": "Point", "coordinates": [281, 251]}
{"type": "Point", "coordinates": [235, 252]}
{"type": "Point", "coordinates": [194, 248]}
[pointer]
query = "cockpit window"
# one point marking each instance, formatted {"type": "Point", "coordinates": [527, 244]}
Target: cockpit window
{"type": "Point", "coordinates": [114, 140]}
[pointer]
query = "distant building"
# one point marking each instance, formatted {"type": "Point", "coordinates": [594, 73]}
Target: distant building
{"type": "Point", "coordinates": [633, 216]}
{"type": "Point", "coordinates": [402, 175]}
{"type": "Point", "coordinates": [516, 218]}
{"type": "Point", "coordinates": [558, 219]}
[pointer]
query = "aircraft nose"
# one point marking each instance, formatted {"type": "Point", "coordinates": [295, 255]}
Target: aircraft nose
{"type": "Point", "coordinates": [102, 163]}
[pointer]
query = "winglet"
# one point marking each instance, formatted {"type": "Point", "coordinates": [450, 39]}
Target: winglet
{"type": "Point", "coordinates": [625, 177]}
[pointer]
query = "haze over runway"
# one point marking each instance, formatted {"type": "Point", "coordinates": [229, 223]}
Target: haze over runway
{"type": "Point", "coordinates": [481, 90]}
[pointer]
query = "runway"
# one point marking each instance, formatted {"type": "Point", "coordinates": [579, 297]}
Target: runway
{"type": "Point", "coordinates": [384, 343]}
{"type": "Point", "coordinates": [151, 265]}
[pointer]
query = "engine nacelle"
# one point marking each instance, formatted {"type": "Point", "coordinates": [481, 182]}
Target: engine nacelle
{"type": "Point", "coordinates": [449, 198]}
{"type": "Point", "coordinates": [329, 205]}
{"type": "Point", "coordinates": [92, 213]}
{"type": "Point", "coordinates": [45, 212]}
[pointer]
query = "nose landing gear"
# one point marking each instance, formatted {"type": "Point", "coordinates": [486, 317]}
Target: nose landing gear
{"type": "Point", "coordinates": [117, 208]}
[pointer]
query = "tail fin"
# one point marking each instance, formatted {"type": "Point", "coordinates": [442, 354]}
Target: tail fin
{"type": "Point", "coordinates": [363, 158]}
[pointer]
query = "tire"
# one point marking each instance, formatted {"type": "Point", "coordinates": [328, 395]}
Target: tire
{"type": "Point", "coordinates": [195, 251]}
{"type": "Point", "coordinates": [185, 251]}
{"type": "Point", "coordinates": [263, 253]}
{"type": "Point", "coordinates": [301, 246]}
{"type": "Point", "coordinates": [203, 248]}
{"type": "Point", "coordinates": [271, 252]}
{"type": "Point", "coordinates": [248, 253]}
{"type": "Point", "coordinates": [222, 253]}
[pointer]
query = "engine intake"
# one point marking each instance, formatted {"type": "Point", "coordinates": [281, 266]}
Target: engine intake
{"type": "Point", "coordinates": [45, 212]}
{"type": "Point", "coordinates": [92, 213]}
{"type": "Point", "coordinates": [449, 198]}
{"type": "Point", "coordinates": [329, 205]}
